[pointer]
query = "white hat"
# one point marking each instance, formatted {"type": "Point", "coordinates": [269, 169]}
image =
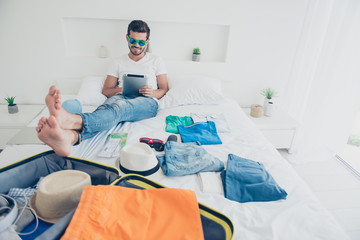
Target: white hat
{"type": "Point", "coordinates": [138, 158]}
{"type": "Point", "coordinates": [58, 194]}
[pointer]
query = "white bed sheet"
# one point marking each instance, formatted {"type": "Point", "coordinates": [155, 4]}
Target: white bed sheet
{"type": "Point", "coordinates": [301, 216]}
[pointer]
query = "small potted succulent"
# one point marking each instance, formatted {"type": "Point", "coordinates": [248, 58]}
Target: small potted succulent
{"type": "Point", "coordinates": [196, 55]}
{"type": "Point", "coordinates": [269, 94]}
{"type": "Point", "coordinates": [12, 107]}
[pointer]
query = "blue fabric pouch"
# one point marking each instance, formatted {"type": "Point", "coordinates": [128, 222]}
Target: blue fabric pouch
{"type": "Point", "coordinates": [187, 158]}
{"type": "Point", "coordinates": [245, 180]}
{"type": "Point", "coordinates": [203, 132]}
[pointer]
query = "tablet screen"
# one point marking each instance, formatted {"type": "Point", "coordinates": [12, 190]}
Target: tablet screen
{"type": "Point", "coordinates": [132, 83]}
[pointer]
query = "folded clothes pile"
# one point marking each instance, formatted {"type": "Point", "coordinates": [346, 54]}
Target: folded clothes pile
{"type": "Point", "coordinates": [187, 158]}
{"type": "Point", "coordinates": [201, 128]}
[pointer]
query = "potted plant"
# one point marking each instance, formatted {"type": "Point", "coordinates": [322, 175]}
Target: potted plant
{"type": "Point", "coordinates": [12, 107]}
{"type": "Point", "coordinates": [196, 55]}
{"type": "Point", "coordinates": [269, 94]}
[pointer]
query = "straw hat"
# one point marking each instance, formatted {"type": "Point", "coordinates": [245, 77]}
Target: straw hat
{"type": "Point", "coordinates": [58, 194]}
{"type": "Point", "coordinates": [138, 158]}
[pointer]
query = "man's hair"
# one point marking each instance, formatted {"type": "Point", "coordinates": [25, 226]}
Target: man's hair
{"type": "Point", "coordinates": [139, 26]}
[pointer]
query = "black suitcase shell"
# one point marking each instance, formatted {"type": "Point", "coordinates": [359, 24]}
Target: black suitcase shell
{"type": "Point", "coordinates": [26, 173]}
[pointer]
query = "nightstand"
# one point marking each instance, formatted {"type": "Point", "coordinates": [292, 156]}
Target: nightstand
{"type": "Point", "coordinates": [10, 124]}
{"type": "Point", "coordinates": [280, 129]}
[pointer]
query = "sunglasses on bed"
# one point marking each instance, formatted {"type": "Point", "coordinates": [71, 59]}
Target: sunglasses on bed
{"type": "Point", "coordinates": [157, 144]}
{"type": "Point", "coordinates": [134, 41]}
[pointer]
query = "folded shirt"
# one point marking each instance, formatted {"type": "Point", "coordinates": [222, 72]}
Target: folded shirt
{"type": "Point", "coordinates": [219, 120]}
{"type": "Point", "coordinates": [23, 195]}
{"type": "Point", "coordinates": [187, 158]}
{"type": "Point", "coordinates": [172, 123]}
{"type": "Point", "coordinates": [203, 132]}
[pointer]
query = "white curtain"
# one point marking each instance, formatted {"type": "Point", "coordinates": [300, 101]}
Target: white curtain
{"type": "Point", "coordinates": [324, 86]}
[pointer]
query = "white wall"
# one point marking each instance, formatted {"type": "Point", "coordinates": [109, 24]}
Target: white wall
{"type": "Point", "coordinates": [263, 38]}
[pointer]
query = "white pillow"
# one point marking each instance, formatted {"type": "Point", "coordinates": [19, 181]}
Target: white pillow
{"type": "Point", "coordinates": [192, 89]}
{"type": "Point", "coordinates": [90, 91]}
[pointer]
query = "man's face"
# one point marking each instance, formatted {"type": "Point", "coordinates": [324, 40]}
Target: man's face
{"type": "Point", "coordinates": [136, 49]}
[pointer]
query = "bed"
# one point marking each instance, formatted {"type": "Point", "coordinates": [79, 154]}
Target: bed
{"type": "Point", "coordinates": [299, 216]}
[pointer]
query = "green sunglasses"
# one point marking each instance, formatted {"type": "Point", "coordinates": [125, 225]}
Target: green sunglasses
{"type": "Point", "coordinates": [134, 41]}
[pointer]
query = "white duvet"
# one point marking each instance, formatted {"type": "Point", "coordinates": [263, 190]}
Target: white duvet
{"type": "Point", "coordinates": [301, 216]}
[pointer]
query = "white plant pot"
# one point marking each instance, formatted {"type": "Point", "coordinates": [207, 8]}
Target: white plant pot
{"type": "Point", "coordinates": [268, 107]}
{"type": "Point", "coordinates": [13, 109]}
{"type": "Point", "coordinates": [196, 57]}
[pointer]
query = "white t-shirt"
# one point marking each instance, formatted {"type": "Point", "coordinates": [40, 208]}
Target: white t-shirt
{"type": "Point", "coordinates": [150, 65]}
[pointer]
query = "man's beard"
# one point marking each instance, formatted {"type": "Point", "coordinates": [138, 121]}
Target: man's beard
{"type": "Point", "coordinates": [134, 53]}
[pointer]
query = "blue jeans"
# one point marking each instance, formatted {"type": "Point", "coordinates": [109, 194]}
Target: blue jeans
{"type": "Point", "coordinates": [187, 158]}
{"type": "Point", "coordinates": [117, 109]}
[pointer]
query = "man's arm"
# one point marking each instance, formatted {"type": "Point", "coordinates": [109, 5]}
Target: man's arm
{"type": "Point", "coordinates": [109, 88]}
{"type": "Point", "coordinates": [157, 93]}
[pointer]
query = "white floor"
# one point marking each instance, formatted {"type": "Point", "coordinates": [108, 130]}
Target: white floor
{"type": "Point", "coordinates": [337, 188]}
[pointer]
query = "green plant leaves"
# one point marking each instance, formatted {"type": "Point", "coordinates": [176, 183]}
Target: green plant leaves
{"type": "Point", "coordinates": [10, 100]}
{"type": "Point", "coordinates": [196, 51]}
{"type": "Point", "coordinates": [269, 93]}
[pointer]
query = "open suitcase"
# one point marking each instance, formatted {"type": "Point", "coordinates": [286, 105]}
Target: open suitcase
{"type": "Point", "coordinates": [26, 173]}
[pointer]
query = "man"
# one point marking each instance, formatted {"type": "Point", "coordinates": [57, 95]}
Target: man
{"type": "Point", "coordinates": [62, 129]}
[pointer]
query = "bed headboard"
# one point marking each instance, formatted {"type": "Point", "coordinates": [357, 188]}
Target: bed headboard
{"type": "Point", "coordinates": [173, 41]}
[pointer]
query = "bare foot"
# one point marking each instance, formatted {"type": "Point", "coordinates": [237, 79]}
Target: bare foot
{"type": "Point", "coordinates": [65, 120]}
{"type": "Point", "coordinates": [41, 124]}
{"type": "Point", "coordinates": [53, 100]}
{"type": "Point", "coordinates": [57, 138]}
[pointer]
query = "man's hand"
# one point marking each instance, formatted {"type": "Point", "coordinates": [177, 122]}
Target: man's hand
{"type": "Point", "coordinates": [109, 88]}
{"type": "Point", "coordinates": [147, 91]}
{"type": "Point", "coordinates": [162, 83]}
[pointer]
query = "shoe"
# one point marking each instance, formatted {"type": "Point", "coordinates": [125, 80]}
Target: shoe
{"type": "Point", "coordinates": [172, 138]}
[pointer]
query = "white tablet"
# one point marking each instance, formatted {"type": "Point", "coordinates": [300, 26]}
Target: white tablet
{"type": "Point", "coordinates": [132, 83]}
